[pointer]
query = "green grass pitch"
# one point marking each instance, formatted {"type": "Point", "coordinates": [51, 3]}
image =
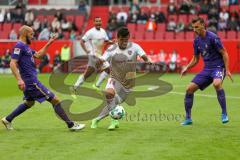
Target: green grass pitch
{"type": "Point", "coordinates": [40, 135]}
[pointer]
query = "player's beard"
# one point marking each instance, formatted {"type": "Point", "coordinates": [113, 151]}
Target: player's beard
{"type": "Point", "coordinates": [28, 40]}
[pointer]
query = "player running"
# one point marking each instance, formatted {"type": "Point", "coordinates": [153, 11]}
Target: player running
{"type": "Point", "coordinates": [215, 57]}
{"type": "Point", "coordinates": [96, 38]}
{"type": "Point", "coordinates": [123, 58]}
{"type": "Point", "coordinates": [23, 67]}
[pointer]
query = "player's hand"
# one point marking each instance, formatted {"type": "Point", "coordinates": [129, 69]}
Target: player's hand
{"type": "Point", "coordinates": [184, 70]}
{"type": "Point", "coordinates": [53, 37]}
{"type": "Point", "coordinates": [21, 85]}
{"type": "Point", "coordinates": [228, 73]}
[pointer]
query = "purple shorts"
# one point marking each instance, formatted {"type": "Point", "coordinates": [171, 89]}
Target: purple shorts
{"type": "Point", "coordinates": [206, 77]}
{"type": "Point", "coordinates": [36, 91]}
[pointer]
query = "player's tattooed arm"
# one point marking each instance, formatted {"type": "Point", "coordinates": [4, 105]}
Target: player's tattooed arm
{"type": "Point", "coordinates": [82, 42]}
{"type": "Point", "coordinates": [43, 50]}
{"type": "Point", "coordinates": [226, 62]}
{"type": "Point", "coordinates": [15, 71]}
{"type": "Point", "coordinates": [191, 64]}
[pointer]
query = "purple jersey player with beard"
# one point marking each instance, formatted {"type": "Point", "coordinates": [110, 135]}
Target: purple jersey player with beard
{"type": "Point", "coordinates": [23, 67]}
{"type": "Point", "coordinates": [216, 67]}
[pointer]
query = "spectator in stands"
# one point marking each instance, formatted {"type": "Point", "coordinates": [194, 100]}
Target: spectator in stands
{"type": "Point", "coordinates": [29, 18]}
{"type": "Point", "coordinates": [232, 24]}
{"type": "Point", "coordinates": [65, 53]}
{"type": "Point", "coordinates": [133, 17]}
{"type": "Point", "coordinates": [2, 15]}
{"type": "Point", "coordinates": [233, 2]}
{"type": "Point", "coordinates": [222, 24]}
{"type": "Point", "coordinates": [151, 25]}
{"type": "Point", "coordinates": [18, 16]}
{"type": "Point", "coordinates": [13, 35]}
{"type": "Point", "coordinates": [142, 18]}
{"type": "Point", "coordinates": [44, 62]}
{"type": "Point", "coordinates": [73, 26]}
{"type": "Point", "coordinates": [235, 14]}
{"type": "Point", "coordinates": [112, 26]}
{"type": "Point", "coordinates": [173, 61]}
{"type": "Point", "coordinates": [134, 7]}
{"type": "Point", "coordinates": [172, 8]}
{"type": "Point", "coordinates": [185, 7]}
{"type": "Point", "coordinates": [204, 7]}
{"type": "Point", "coordinates": [44, 24]}
{"type": "Point", "coordinates": [57, 60]}
{"type": "Point", "coordinates": [36, 25]}
{"type": "Point", "coordinates": [214, 4]}
{"type": "Point", "coordinates": [60, 33]}
{"type": "Point", "coordinates": [213, 24]}
{"type": "Point", "coordinates": [112, 15]}
{"type": "Point", "coordinates": [59, 16]}
{"type": "Point", "coordinates": [73, 35]}
{"type": "Point", "coordinates": [160, 17]}
{"type": "Point", "coordinates": [8, 16]}
{"type": "Point", "coordinates": [213, 13]}
{"type": "Point", "coordinates": [44, 34]}
{"type": "Point", "coordinates": [65, 25]}
{"type": "Point", "coordinates": [180, 26]}
{"type": "Point", "coordinates": [7, 59]}
{"type": "Point", "coordinates": [20, 5]}
{"type": "Point", "coordinates": [56, 24]}
{"type": "Point", "coordinates": [83, 8]}
{"type": "Point", "coordinates": [122, 16]}
{"type": "Point", "coordinates": [162, 60]}
{"type": "Point", "coordinates": [171, 26]}
{"type": "Point", "coordinates": [224, 15]}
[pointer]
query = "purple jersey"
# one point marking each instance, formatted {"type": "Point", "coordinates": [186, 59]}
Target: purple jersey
{"type": "Point", "coordinates": [209, 47]}
{"type": "Point", "coordinates": [27, 68]}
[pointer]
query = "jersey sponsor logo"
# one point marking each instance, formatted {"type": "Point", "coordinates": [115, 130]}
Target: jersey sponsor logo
{"type": "Point", "coordinates": [16, 51]}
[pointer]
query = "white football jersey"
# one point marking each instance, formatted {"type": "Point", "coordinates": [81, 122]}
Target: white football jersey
{"type": "Point", "coordinates": [95, 40]}
{"type": "Point", "coordinates": [123, 62]}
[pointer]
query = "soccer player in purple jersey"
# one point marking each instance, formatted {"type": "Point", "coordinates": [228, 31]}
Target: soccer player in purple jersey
{"type": "Point", "coordinates": [23, 67]}
{"type": "Point", "coordinates": [216, 67]}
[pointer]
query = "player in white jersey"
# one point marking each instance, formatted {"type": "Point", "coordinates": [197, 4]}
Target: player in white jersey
{"type": "Point", "coordinates": [123, 58]}
{"type": "Point", "coordinates": [93, 42]}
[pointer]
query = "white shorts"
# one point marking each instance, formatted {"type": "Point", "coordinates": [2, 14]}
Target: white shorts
{"type": "Point", "coordinates": [92, 61]}
{"type": "Point", "coordinates": [120, 91]}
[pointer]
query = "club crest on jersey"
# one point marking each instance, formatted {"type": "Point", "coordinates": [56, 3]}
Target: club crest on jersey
{"type": "Point", "coordinates": [129, 52]}
{"type": "Point", "coordinates": [17, 51]}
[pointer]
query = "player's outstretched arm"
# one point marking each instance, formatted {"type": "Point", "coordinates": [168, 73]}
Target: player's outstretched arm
{"type": "Point", "coordinates": [226, 63]}
{"type": "Point", "coordinates": [15, 71]}
{"type": "Point", "coordinates": [191, 64]}
{"type": "Point", "coordinates": [43, 50]}
{"type": "Point", "coordinates": [146, 59]}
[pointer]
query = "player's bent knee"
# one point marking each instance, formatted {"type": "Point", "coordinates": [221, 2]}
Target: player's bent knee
{"type": "Point", "coordinates": [29, 103]}
{"type": "Point", "coordinates": [55, 101]}
{"type": "Point", "coordinates": [217, 85]}
{"type": "Point", "coordinates": [191, 89]}
{"type": "Point", "coordinates": [109, 93]}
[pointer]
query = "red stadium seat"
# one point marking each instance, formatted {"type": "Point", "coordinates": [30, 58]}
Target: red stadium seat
{"type": "Point", "coordinates": [70, 18]}
{"type": "Point", "coordinates": [234, 7]}
{"type": "Point", "coordinates": [238, 34]}
{"type": "Point", "coordinates": [154, 8]}
{"type": "Point", "coordinates": [50, 18]}
{"type": "Point", "coordinates": [174, 17]}
{"type": "Point", "coordinates": [231, 35]}
{"type": "Point", "coordinates": [131, 27]}
{"type": "Point", "coordinates": [40, 17]}
{"type": "Point", "coordinates": [149, 35]}
{"type": "Point", "coordinates": [141, 27]}
{"type": "Point", "coordinates": [4, 35]}
{"type": "Point", "coordinates": [180, 35]}
{"type": "Point", "coordinates": [114, 9]}
{"type": "Point", "coordinates": [126, 8]}
{"type": "Point", "coordinates": [222, 34]}
{"type": "Point", "coordinates": [169, 35]}
{"type": "Point", "coordinates": [189, 35]}
{"type": "Point", "coordinates": [16, 26]}
{"type": "Point", "coordinates": [159, 35]}
{"type": "Point", "coordinates": [161, 27]}
{"type": "Point", "coordinates": [79, 20]}
{"type": "Point", "coordinates": [7, 27]}
{"type": "Point", "coordinates": [145, 9]}
{"type": "Point", "coordinates": [139, 35]}
{"type": "Point", "coordinates": [204, 16]}
{"type": "Point", "coordinates": [184, 18]}
{"type": "Point", "coordinates": [164, 10]}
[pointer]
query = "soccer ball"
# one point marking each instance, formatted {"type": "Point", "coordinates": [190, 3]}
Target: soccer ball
{"type": "Point", "coordinates": [117, 113]}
